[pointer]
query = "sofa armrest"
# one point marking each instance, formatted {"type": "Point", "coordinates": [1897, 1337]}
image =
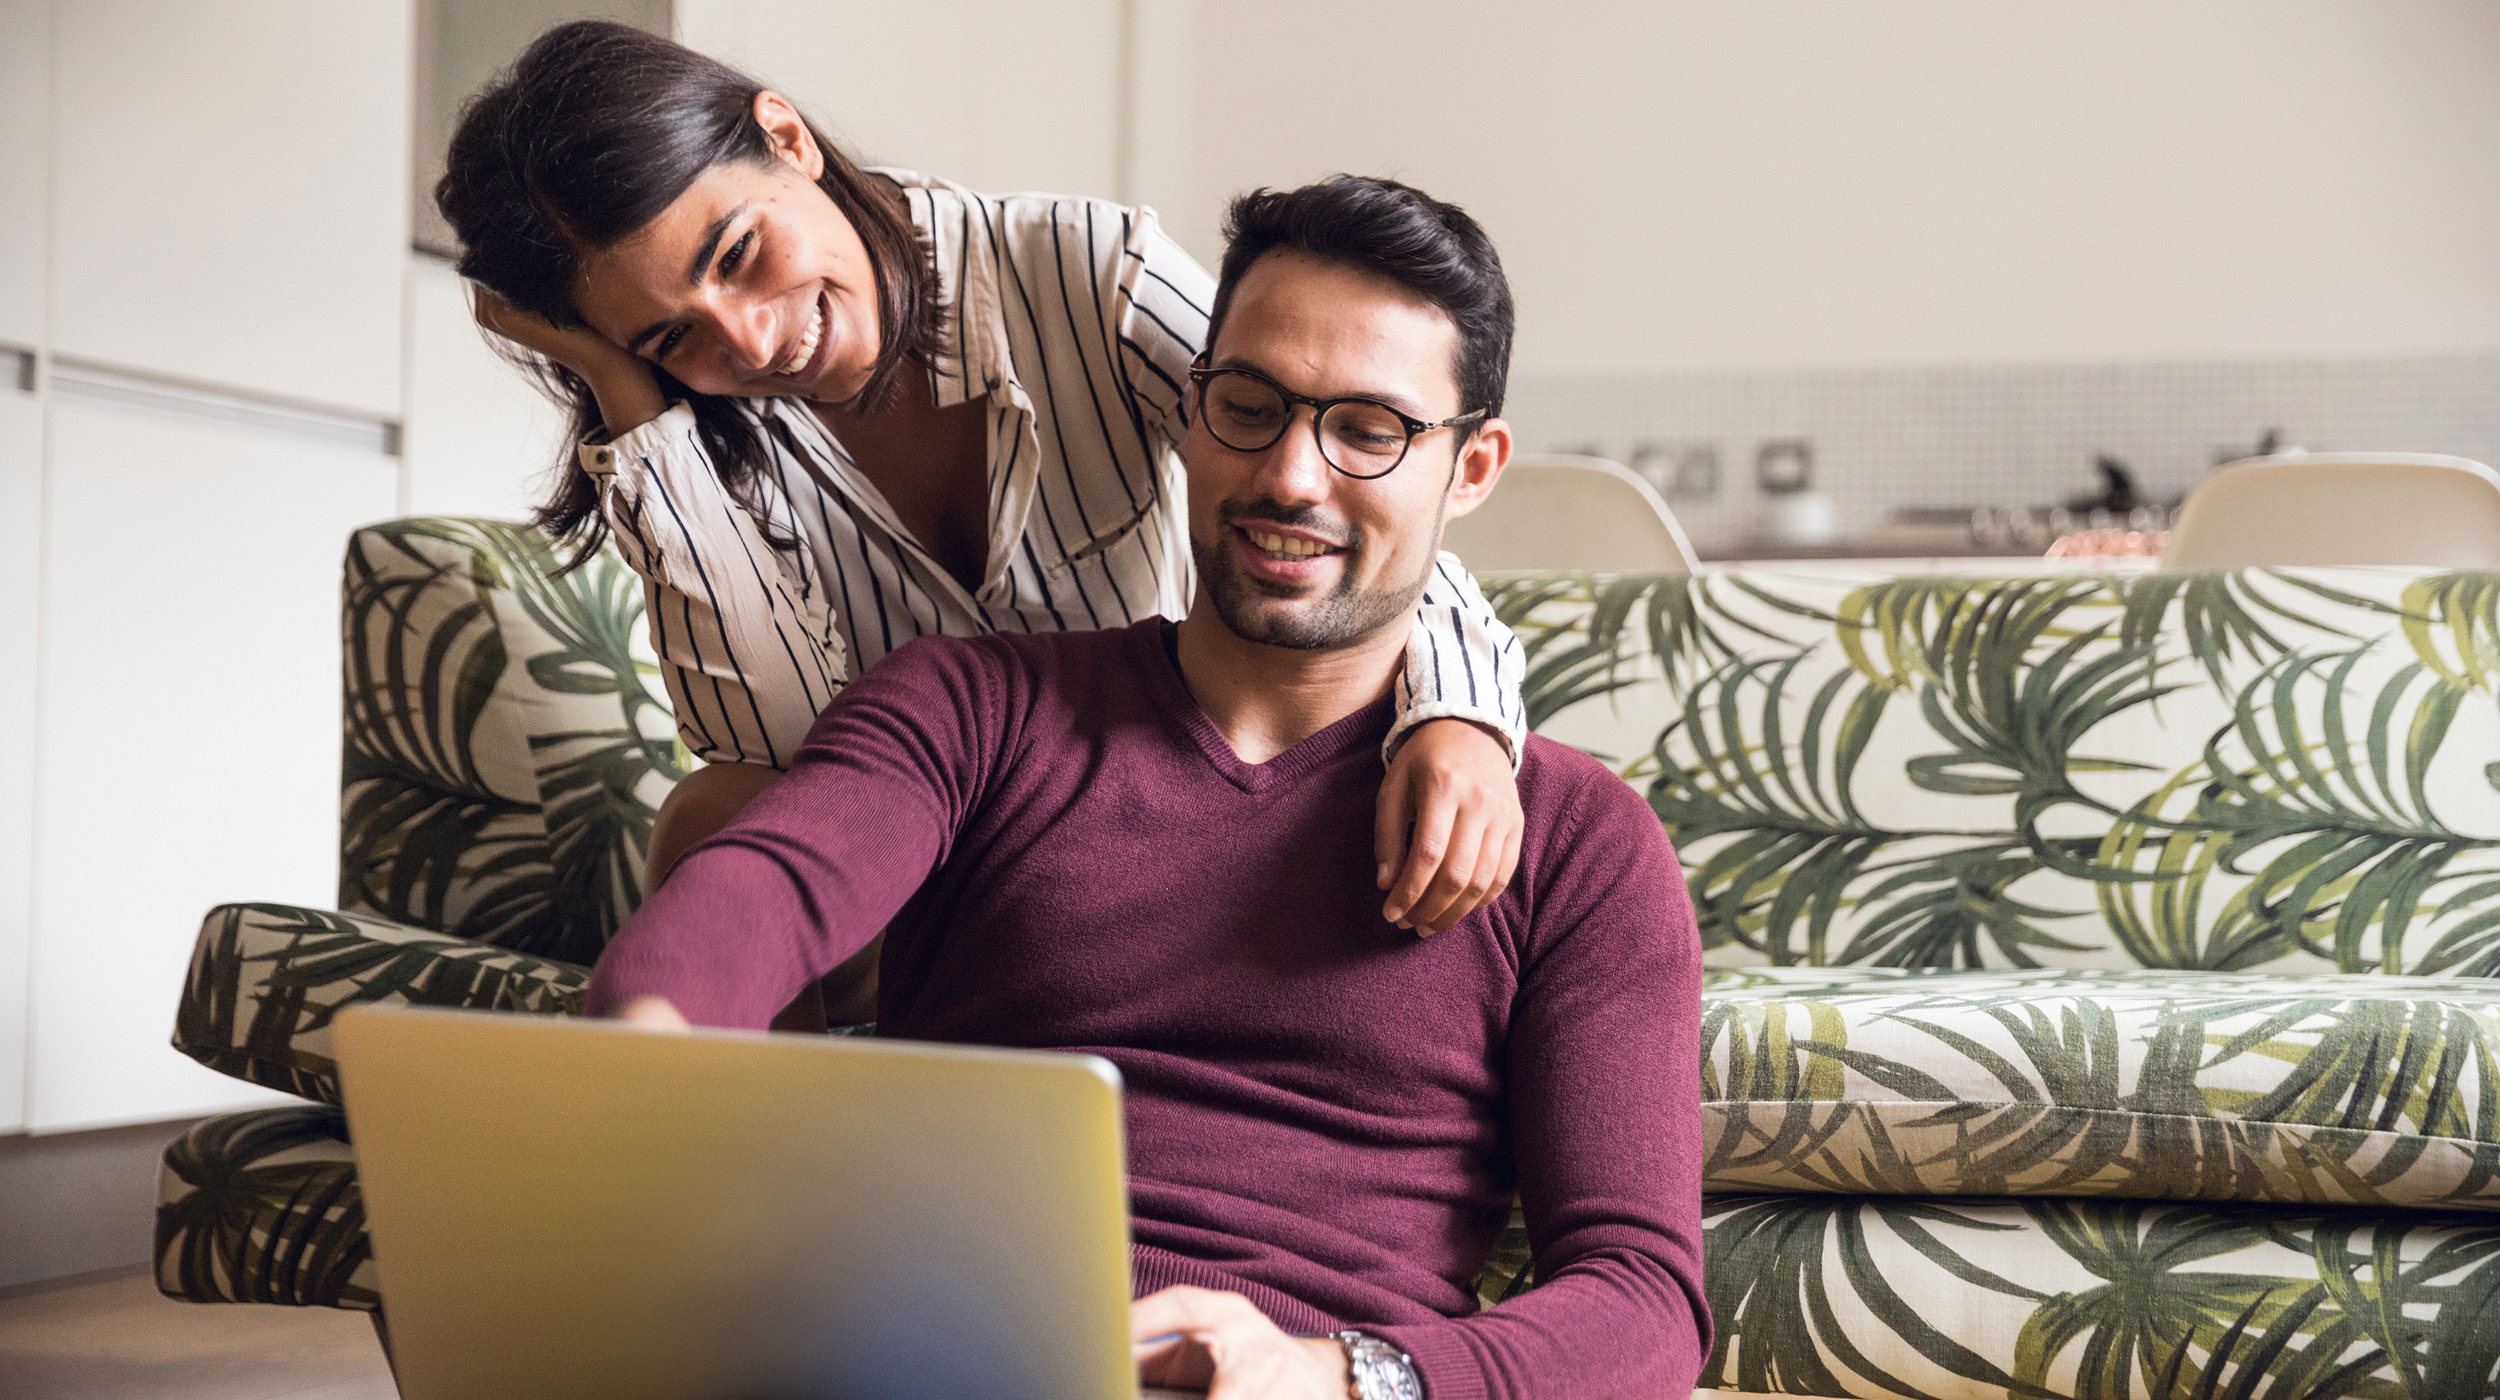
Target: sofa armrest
{"type": "Point", "coordinates": [266, 980]}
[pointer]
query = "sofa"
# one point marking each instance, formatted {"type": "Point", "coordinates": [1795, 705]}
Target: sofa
{"type": "Point", "coordinates": [2100, 1002]}
{"type": "Point", "coordinates": [2102, 995]}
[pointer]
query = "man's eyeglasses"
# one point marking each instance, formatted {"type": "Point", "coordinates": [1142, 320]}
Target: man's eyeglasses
{"type": "Point", "coordinates": [1362, 438]}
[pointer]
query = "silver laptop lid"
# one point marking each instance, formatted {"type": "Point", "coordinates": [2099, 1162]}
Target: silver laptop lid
{"type": "Point", "coordinates": [574, 1208]}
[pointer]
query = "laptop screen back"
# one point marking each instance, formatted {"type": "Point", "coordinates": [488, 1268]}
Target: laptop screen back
{"type": "Point", "coordinates": [571, 1208]}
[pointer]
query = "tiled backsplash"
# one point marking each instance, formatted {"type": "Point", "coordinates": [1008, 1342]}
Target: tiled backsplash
{"type": "Point", "coordinates": [2008, 435]}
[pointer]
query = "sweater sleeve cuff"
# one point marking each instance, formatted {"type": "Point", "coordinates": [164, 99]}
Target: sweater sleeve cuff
{"type": "Point", "coordinates": [1448, 1369]}
{"type": "Point", "coordinates": [600, 458]}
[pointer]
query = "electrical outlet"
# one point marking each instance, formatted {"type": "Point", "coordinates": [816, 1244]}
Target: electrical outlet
{"type": "Point", "coordinates": [1684, 469]}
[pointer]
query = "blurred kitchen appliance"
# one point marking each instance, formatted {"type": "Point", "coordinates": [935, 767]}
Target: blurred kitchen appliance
{"type": "Point", "coordinates": [1793, 512]}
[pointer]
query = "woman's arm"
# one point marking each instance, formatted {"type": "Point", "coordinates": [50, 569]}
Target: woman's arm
{"type": "Point", "coordinates": [746, 644]}
{"type": "Point", "coordinates": [1448, 826]}
{"type": "Point", "coordinates": [1159, 316]}
{"type": "Point", "coordinates": [1463, 663]}
{"type": "Point", "coordinates": [745, 640]}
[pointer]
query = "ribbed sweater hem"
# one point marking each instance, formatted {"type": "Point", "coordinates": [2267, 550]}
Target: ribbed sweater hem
{"type": "Point", "coordinates": [1152, 1269]}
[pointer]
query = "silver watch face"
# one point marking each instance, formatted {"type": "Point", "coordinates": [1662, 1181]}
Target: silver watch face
{"type": "Point", "coordinates": [1381, 1371]}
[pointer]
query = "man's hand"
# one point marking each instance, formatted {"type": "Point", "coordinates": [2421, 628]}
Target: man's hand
{"type": "Point", "coordinates": [1451, 784]}
{"type": "Point", "coordinates": [652, 1013]}
{"type": "Point", "coordinates": [1193, 1338]}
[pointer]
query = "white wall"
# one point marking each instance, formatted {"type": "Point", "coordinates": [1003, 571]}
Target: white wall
{"type": "Point", "coordinates": [25, 114]}
{"type": "Point", "coordinates": [231, 184]}
{"type": "Point", "coordinates": [480, 439]}
{"type": "Point", "coordinates": [189, 731]}
{"type": "Point", "coordinates": [1726, 183]}
{"type": "Point", "coordinates": [203, 230]}
{"type": "Point", "coordinates": [21, 547]}
{"type": "Point", "coordinates": [25, 110]}
{"type": "Point", "coordinates": [994, 94]}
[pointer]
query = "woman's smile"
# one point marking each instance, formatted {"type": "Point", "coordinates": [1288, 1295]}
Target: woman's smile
{"type": "Point", "coordinates": [751, 283]}
{"type": "Point", "coordinates": [804, 356]}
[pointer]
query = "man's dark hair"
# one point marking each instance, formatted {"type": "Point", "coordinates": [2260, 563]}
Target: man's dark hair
{"type": "Point", "coordinates": [1424, 245]}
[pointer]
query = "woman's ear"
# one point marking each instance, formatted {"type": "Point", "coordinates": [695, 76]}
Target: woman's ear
{"type": "Point", "coordinates": [788, 133]}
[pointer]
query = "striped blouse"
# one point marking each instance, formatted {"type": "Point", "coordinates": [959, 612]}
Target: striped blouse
{"type": "Point", "coordinates": [1078, 319]}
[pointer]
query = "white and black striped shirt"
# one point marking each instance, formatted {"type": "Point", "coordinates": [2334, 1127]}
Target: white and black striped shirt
{"type": "Point", "coordinates": [1078, 319]}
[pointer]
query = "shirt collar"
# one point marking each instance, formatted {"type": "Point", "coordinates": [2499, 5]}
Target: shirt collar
{"type": "Point", "coordinates": [957, 226]}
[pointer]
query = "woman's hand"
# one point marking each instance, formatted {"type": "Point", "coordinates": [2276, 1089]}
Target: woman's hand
{"type": "Point", "coordinates": [1197, 1339]}
{"type": "Point", "coordinates": [1451, 784]}
{"type": "Point", "coordinates": [628, 393]}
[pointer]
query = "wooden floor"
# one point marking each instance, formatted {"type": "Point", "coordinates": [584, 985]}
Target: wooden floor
{"type": "Point", "coordinates": [114, 1337]}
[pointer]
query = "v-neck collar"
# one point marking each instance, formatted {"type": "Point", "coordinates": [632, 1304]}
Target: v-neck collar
{"type": "Point", "coordinates": [1157, 658]}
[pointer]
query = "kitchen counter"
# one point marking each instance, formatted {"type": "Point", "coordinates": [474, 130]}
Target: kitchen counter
{"type": "Point", "coordinates": [1835, 561]}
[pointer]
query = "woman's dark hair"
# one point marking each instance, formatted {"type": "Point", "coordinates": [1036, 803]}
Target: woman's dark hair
{"type": "Point", "coordinates": [1430, 248]}
{"type": "Point", "coordinates": [592, 132]}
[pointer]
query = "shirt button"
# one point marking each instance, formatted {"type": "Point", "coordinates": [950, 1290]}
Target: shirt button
{"type": "Point", "coordinates": [602, 456]}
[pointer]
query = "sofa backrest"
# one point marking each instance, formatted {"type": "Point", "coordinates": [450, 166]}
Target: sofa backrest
{"type": "Point", "coordinates": [2293, 769]}
{"type": "Point", "coordinates": [506, 741]}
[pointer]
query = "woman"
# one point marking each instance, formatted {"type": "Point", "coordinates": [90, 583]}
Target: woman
{"type": "Point", "coordinates": [826, 410]}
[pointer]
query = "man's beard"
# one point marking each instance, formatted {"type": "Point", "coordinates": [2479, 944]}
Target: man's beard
{"type": "Point", "coordinates": [1345, 614]}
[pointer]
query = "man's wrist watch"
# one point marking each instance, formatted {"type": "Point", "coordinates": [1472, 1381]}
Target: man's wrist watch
{"type": "Point", "coordinates": [1381, 1371]}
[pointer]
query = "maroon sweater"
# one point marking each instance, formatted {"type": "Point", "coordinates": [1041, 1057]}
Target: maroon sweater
{"type": "Point", "coordinates": [1325, 1113]}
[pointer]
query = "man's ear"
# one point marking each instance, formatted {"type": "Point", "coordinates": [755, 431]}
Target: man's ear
{"type": "Point", "coordinates": [788, 133]}
{"type": "Point", "coordinates": [1480, 465]}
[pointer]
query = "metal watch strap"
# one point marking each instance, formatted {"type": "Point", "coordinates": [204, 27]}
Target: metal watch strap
{"type": "Point", "coordinates": [1380, 1371]}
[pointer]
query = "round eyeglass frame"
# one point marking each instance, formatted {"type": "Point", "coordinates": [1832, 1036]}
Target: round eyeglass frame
{"type": "Point", "coordinates": [1415, 427]}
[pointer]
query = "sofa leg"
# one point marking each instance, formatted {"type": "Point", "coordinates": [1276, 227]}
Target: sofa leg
{"type": "Point", "coordinates": [382, 1333]}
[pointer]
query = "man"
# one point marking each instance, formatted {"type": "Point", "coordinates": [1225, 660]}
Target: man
{"type": "Point", "coordinates": [1148, 844]}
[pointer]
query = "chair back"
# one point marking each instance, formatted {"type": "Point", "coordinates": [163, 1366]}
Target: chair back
{"type": "Point", "coordinates": [506, 743]}
{"type": "Point", "coordinates": [1574, 514]}
{"type": "Point", "coordinates": [2341, 508]}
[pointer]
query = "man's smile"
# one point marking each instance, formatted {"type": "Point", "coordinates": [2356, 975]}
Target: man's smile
{"type": "Point", "coordinates": [1287, 546]}
{"type": "Point", "coordinates": [1284, 557]}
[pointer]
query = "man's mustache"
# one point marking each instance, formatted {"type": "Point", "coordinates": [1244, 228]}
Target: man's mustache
{"type": "Point", "coordinates": [1337, 533]}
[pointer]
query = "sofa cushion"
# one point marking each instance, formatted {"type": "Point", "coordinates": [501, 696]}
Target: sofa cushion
{"type": "Point", "coordinates": [2097, 1300]}
{"type": "Point", "coordinates": [2169, 1085]}
{"type": "Point", "coordinates": [263, 1207]}
{"type": "Point", "coordinates": [267, 979]}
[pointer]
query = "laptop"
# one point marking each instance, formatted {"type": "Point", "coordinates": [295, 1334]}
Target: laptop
{"type": "Point", "coordinates": [563, 1207]}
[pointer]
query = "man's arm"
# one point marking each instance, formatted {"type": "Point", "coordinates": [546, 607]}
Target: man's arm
{"type": "Point", "coordinates": [816, 865]}
{"type": "Point", "coordinates": [1605, 1101]}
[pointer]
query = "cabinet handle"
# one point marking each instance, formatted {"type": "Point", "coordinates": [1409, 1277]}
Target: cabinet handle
{"type": "Point", "coordinates": [101, 383]}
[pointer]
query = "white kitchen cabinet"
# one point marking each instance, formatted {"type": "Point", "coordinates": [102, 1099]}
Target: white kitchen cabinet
{"type": "Point", "coordinates": [21, 494]}
{"type": "Point", "coordinates": [25, 95]}
{"type": "Point", "coordinates": [230, 206]}
{"type": "Point", "coordinates": [190, 729]}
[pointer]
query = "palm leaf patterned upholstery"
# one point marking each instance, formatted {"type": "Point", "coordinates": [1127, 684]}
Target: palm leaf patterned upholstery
{"type": "Point", "coordinates": [505, 751]}
{"type": "Point", "coordinates": [2098, 999]}
{"type": "Point", "coordinates": [2097, 1005]}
